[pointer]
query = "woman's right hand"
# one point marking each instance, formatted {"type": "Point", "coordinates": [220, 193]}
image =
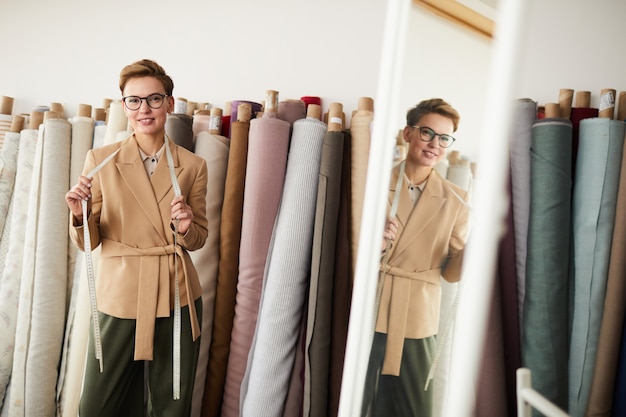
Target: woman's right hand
{"type": "Point", "coordinates": [389, 235]}
{"type": "Point", "coordinates": [79, 192]}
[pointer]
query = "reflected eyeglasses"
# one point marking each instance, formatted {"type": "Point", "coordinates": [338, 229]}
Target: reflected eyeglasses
{"type": "Point", "coordinates": [154, 101]}
{"type": "Point", "coordinates": [427, 135]}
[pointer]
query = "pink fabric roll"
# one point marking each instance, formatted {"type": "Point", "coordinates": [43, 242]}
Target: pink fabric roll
{"type": "Point", "coordinates": [268, 145]}
{"type": "Point", "coordinates": [291, 110]}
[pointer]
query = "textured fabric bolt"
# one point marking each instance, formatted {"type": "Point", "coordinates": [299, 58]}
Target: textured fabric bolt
{"type": "Point", "coordinates": [598, 166]}
{"type": "Point", "coordinates": [179, 127]}
{"type": "Point", "coordinates": [268, 145]}
{"type": "Point", "coordinates": [43, 293]}
{"type": "Point", "coordinates": [11, 275]}
{"type": "Point", "coordinates": [545, 323]}
{"type": "Point", "coordinates": [8, 167]}
{"type": "Point", "coordinates": [116, 121]}
{"type": "Point", "coordinates": [524, 115]}
{"type": "Point", "coordinates": [214, 149]}
{"type": "Point", "coordinates": [230, 238]}
{"type": "Point", "coordinates": [286, 276]}
{"type": "Point", "coordinates": [317, 354]}
{"type": "Point", "coordinates": [604, 374]}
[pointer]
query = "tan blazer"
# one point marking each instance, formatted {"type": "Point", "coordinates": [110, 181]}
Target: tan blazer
{"type": "Point", "coordinates": [429, 244]}
{"type": "Point", "coordinates": [130, 218]}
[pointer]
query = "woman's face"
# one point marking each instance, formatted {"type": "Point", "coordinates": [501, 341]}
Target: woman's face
{"type": "Point", "coordinates": [147, 120]}
{"type": "Point", "coordinates": [427, 153]}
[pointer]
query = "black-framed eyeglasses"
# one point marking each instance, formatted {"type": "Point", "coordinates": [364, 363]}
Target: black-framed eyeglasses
{"type": "Point", "coordinates": [427, 135]}
{"type": "Point", "coordinates": [154, 101]}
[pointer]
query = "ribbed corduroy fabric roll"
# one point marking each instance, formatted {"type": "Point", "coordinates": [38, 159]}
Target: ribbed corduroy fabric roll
{"type": "Point", "coordinates": [12, 273]}
{"type": "Point", "coordinates": [317, 354]}
{"type": "Point", "coordinates": [285, 281]}
{"type": "Point", "coordinates": [179, 127]}
{"type": "Point", "coordinates": [214, 149]}
{"type": "Point", "coordinates": [228, 269]}
{"type": "Point", "coordinates": [545, 323]}
{"type": "Point", "coordinates": [360, 129]}
{"type": "Point", "coordinates": [43, 292]}
{"type": "Point", "coordinates": [524, 115]}
{"type": "Point", "coordinates": [598, 165]}
{"type": "Point", "coordinates": [604, 375]}
{"type": "Point", "coordinates": [268, 145]}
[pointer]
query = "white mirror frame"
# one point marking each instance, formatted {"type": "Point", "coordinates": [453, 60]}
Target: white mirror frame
{"type": "Point", "coordinates": [489, 209]}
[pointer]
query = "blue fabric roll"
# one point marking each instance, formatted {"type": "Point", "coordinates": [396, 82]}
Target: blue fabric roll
{"type": "Point", "coordinates": [596, 182]}
{"type": "Point", "coordinates": [545, 321]}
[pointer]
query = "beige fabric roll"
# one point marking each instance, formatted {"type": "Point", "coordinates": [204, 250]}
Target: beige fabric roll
{"type": "Point", "coordinates": [360, 129]}
{"type": "Point", "coordinates": [214, 149]}
{"type": "Point", "coordinates": [116, 121]}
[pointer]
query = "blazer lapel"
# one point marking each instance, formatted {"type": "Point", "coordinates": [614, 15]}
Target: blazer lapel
{"type": "Point", "coordinates": [161, 180]}
{"type": "Point", "coordinates": [131, 169]}
{"type": "Point", "coordinates": [426, 209]}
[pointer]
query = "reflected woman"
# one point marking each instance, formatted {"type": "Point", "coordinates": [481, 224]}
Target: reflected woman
{"type": "Point", "coordinates": [424, 239]}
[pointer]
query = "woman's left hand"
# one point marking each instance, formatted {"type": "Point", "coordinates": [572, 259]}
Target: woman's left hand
{"type": "Point", "coordinates": [183, 213]}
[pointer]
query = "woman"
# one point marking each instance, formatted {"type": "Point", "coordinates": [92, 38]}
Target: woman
{"type": "Point", "coordinates": [146, 208]}
{"type": "Point", "coordinates": [424, 239]}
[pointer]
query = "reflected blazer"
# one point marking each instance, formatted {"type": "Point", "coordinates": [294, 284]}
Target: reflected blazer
{"type": "Point", "coordinates": [429, 244]}
{"type": "Point", "coordinates": [130, 219]}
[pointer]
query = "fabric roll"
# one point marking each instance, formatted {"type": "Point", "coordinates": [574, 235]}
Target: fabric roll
{"type": "Point", "coordinates": [578, 114]}
{"type": "Point", "coordinates": [234, 110]}
{"type": "Point", "coordinates": [506, 277]}
{"type": "Point", "coordinates": [230, 238]}
{"type": "Point", "coordinates": [311, 100]}
{"type": "Point", "coordinates": [214, 149]}
{"type": "Point", "coordinates": [5, 126]}
{"type": "Point", "coordinates": [81, 142]}
{"type": "Point", "coordinates": [43, 292]}
{"type": "Point", "coordinates": [291, 110]}
{"type": "Point", "coordinates": [545, 323]}
{"type": "Point", "coordinates": [226, 126]}
{"type": "Point", "coordinates": [360, 129]}
{"type": "Point", "coordinates": [524, 115]}
{"type": "Point", "coordinates": [598, 166]}
{"type": "Point", "coordinates": [116, 121]}
{"type": "Point", "coordinates": [460, 174]}
{"type": "Point", "coordinates": [10, 281]}
{"type": "Point", "coordinates": [609, 340]}
{"type": "Point", "coordinates": [99, 134]}
{"type": "Point", "coordinates": [179, 127]}
{"type": "Point", "coordinates": [8, 167]}
{"type": "Point", "coordinates": [200, 123]}
{"type": "Point", "coordinates": [268, 145]}
{"type": "Point", "coordinates": [285, 282]}
{"type": "Point", "coordinates": [318, 334]}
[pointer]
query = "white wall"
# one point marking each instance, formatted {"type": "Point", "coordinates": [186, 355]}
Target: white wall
{"type": "Point", "coordinates": [573, 44]}
{"type": "Point", "coordinates": [71, 51]}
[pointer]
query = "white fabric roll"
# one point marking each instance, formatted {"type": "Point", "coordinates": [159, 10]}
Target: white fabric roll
{"type": "Point", "coordinates": [8, 167]}
{"type": "Point", "coordinates": [5, 126]}
{"type": "Point", "coordinates": [286, 277]}
{"type": "Point", "coordinates": [116, 121]}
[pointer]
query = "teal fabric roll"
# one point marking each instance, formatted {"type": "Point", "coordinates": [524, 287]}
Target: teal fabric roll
{"type": "Point", "coordinates": [545, 320]}
{"type": "Point", "coordinates": [598, 166]}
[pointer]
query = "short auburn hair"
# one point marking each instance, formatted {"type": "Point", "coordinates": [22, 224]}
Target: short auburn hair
{"type": "Point", "coordinates": [433, 105]}
{"type": "Point", "coordinates": [146, 68]}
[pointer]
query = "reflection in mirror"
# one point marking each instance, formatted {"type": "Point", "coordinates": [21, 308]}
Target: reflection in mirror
{"type": "Point", "coordinates": [470, 324]}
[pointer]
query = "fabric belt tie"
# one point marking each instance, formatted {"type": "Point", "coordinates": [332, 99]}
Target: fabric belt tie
{"type": "Point", "coordinates": [153, 263]}
{"type": "Point", "coordinates": [398, 312]}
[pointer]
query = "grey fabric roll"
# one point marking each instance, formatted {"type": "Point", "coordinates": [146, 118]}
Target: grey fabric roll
{"type": "Point", "coordinates": [598, 166]}
{"type": "Point", "coordinates": [545, 323]}
{"type": "Point", "coordinates": [524, 115]}
{"type": "Point", "coordinates": [286, 277]}
{"type": "Point", "coordinates": [317, 354]}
